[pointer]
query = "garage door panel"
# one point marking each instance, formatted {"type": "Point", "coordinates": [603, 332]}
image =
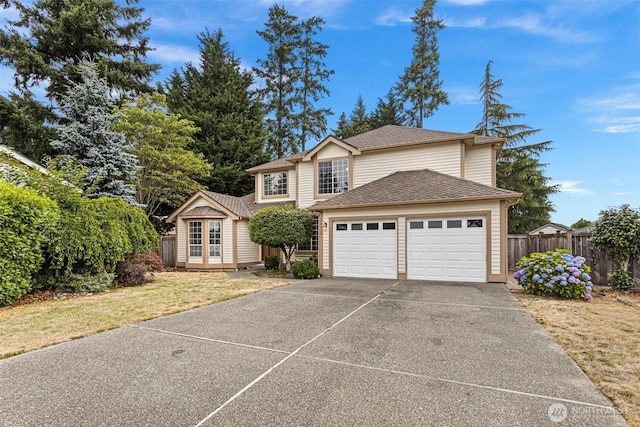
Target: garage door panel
{"type": "Point", "coordinates": [447, 249]}
{"type": "Point", "coordinates": [367, 252]}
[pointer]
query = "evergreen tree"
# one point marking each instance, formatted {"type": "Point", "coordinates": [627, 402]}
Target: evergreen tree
{"type": "Point", "coordinates": [420, 86]}
{"type": "Point", "coordinates": [518, 167]}
{"type": "Point", "coordinates": [86, 137]}
{"type": "Point", "coordinates": [22, 125]}
{"type": "Point", "coordinates": [280, 75]}
{"type": "Point", "coordinates": [358, 122]}
{"type": "Point", "coordinates": [313, 121]}
{"type": "Point", "coordinates": [168, 170]}
{"type": "Point", "coordinates": [46, 45]}
{"type": "Point", "coordinates": [52, 38]}
{"type": "Point", "coordinates": [388, 111]}
{"type": "Point", "coordinates": [217, 97]}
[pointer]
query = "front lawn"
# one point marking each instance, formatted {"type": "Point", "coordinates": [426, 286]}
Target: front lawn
{"type": "Point", "coordinates": [602, 336]}
{"type": "Point", "coordinates": [43, 323]}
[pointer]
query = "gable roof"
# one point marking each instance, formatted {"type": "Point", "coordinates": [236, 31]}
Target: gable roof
{"type": "Point", "coordinates": [203, 211]}
{"type": "Point", "coordinates": [241, 207]}
{"type": "Point", "coordinates": [385, 137]}
{"type": "Point", "coordinates": [411, 187]}
{"type": "Point", "coordinates": [331, 140]}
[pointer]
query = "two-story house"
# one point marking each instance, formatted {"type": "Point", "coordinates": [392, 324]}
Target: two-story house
{"type": "Point", "coordinates": [395, 202]}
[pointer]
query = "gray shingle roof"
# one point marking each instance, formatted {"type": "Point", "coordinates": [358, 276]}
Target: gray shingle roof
{"type": "Point", "coordinates": [287, 162]}
{"type": "Point", "coordinates": [384, 137]}
{"type": "Point", "coordinates": [241, 206]}
{"type": "Point", "coordinates": [417, 186]}
{"type": "Point", "coordinates": [390, 135]}
{"type": "Point", "coordinates": [202, 211]}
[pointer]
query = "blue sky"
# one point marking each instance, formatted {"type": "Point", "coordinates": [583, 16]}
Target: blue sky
{"type": "Point", "coordinates": [573, 67]}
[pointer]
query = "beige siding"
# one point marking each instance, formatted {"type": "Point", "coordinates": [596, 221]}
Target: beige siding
{"type": "Point", "coordinates": [291, 187]}
{"type": "Point", "coordinates": [477, 164]}
{"type": "Point", "coordinates": [444, 209]}
{"type": "Point", "coordinates": [331, 151]}
{"type": "Point", "coordinates": [182, 228]}
{"type": "Point", "coordinates": [373, 165]}
{"type": "Point", "coordinates": [402, 245]}
{"type": "Point", "coordinates": [227, 241]}
{"type": "Point", "coordinates": [305, 186]}
{"type": "Point", "coordinates": [247, 250]}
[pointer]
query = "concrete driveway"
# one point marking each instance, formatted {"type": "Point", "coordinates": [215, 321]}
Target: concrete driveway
{"type": "Point", "coordinates": [322, 352]}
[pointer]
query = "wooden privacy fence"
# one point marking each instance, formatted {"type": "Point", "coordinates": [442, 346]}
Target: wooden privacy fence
{"type": "Point", "coordinates": [520, 245]}
{"type": "Point", "coordinates": [168, 250]}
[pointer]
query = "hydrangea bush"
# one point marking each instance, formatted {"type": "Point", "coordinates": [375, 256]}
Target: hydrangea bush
{"type": "Point", "coordinates": [556, 273]}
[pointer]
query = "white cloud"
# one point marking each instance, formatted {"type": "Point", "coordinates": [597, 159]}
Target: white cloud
{"type": "Point", "coordinates": [571, 187]}
{"type": "Point", "coordinates": [534, 23]}
{"type": "Point", "coordinates": [626, 193]}
{"type": "Point", "coordinates": [174, 54]}
{"type": "Point", "coordinates": [618, 112]}
{"type": "Point", "coordinates": [392, 17]}
{"type": "Point", "coordinates": [624, 125]}
{"type": "Point", "coordinates": [463, 95]}
{"type": "Point", "coordinates": [479, 22]}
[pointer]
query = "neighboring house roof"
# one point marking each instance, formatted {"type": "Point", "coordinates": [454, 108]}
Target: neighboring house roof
{"type": "Point", "coordinates": [23, 159]}
{"type": "Point", "coordinates": [419, 186]}
{"type": "Point", "coordinates": [385, 137]}
{"type": "Point", "coordinates": [559, 227]}
{"type": "Point", "coordinates": [584, 230]}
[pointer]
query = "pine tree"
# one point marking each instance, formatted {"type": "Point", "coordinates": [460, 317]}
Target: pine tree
{"type": "Point", "coordinates": [388, 111]}
{"type": "Point", "coordinates": [22, 125]}
{"type": "Point", "coordinates": [420, 86]}
{"type": "Point", "coordinates": [518, 167]}
{"type": "Point", "coordinates": [313, 121]}
{"type": "Point", "coordinates": [52, 38]}
{"type": "Point", "coordinates": [217, 97]}
{"type": "Point", "coordinates": [46, 45]}
{"type": "Point", "coordinates": [86, 137]}
{"type": "Point", "coordinates": [358, 122]}
{"type": "Point", "coordinates": [280, 75]}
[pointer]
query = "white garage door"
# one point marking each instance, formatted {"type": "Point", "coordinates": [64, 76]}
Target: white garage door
{"type": "Point", "coordinates": [450, 249]}
{"type": "Point", "coordinates": [365, 249]}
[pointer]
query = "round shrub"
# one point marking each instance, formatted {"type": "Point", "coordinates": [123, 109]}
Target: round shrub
{"type": "Point", "coordinates": [272, 262]}
{"type": "Point", "coordinates": [621, 279]}
{"type": "Point", "coordinates": [25, 222]}
{"type": "Point", "coordinates": [305, 269]}
{"type": "Point", "coordinates": [558, 274]}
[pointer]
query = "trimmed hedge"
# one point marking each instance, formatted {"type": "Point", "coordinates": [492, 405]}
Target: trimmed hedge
{"type": "Point", "coordinates": [26, 219]}
{"type": "Point", "coordinates": [305, 269]}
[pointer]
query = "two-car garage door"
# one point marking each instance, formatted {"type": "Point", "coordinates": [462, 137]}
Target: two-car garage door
{"type": "Point", "coordinates": [449, 249]}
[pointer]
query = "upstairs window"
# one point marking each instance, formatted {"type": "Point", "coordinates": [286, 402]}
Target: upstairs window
{"type": "Point", "coordinates": [333, 176]}
{"type": "Point", "coordinates": [274, 184]}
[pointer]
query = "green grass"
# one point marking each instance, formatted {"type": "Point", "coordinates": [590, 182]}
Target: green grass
{"type": "Point", "coordinates": [33, 326]}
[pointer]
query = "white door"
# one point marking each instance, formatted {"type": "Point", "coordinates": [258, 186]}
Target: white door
{"type": "Point", "coordinates": [365, 249]}
{"type": "Point", "coordinates": [215, 242]}
{"type": "Point", "coordinates": [448, 249]}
